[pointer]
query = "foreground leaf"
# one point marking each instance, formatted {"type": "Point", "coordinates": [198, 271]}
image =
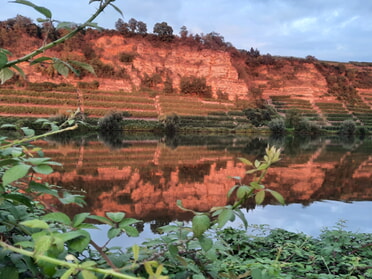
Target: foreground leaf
{"type": "Point", "coordinates": [44, 11]}
{"type": "Point", "coordinates": [5, 74]}
{"type": "Point", "coordinates": [57, 217]}
{"type": "Point", "coordinates": [15, 173]}
{"type": "Point", "coordinates": [35, 224]}
{"type": "Point", "coordinates": [260, 196]}
{"type": "Point", "coordinates": [277, 196]}
{"type": "Point", "coordinates": [200, 223]}
{"type": "Point", "coordinates": [224, 217]}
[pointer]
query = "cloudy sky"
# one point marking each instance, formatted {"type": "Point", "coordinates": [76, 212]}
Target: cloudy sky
{"type": "Point", "coordinates": [327, 29]}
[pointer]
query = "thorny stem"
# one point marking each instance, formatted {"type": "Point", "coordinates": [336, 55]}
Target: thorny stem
{"type": "Point", "coordinates": [103, 254]}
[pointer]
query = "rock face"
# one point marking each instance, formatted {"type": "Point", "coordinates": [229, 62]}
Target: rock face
{"type": "Point", "coordinates": [171, 63]}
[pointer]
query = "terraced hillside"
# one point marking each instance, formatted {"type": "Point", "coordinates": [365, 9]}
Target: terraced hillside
{"type": "Point", "coordinates": [193, 111]}
{"type": "Point", "coordinates": [325, 110]}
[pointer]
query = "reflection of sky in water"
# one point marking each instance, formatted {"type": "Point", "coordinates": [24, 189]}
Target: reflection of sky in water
{"type": "Point", "coordinates": [312, 219]}
{"type": "Point", "coordinates": [294, 217]}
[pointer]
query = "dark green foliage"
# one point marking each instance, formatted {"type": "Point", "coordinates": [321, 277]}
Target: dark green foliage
{"type": "Point", "coordinates": [111, 122]}
{"type": "Point", "coordinates": [195, 85]}
{"type": "Point", "coordinates": [260, 116]}
{"type": "Point", "coordinates": [306, 127]}
{"type": "Point", "coordinates": [292, 118]}
{"type": "Point", "coordinates": [277, 126]}
{"type": "Point", "coordinates": [151, 81]}
{"type": "Point", "coordinates": [336, 253]}
{"type": "Point", "coordinates": [126, 57]}
{"type": "Point", "coordinates": [164, 31]}
{"type": "Point", "coordinates": [347, 127]}
{"type": "Point", "coordinates": [170, 123]}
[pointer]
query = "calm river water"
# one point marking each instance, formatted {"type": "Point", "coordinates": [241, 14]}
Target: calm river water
{"type": "Point", "coordinates": [323, 180]}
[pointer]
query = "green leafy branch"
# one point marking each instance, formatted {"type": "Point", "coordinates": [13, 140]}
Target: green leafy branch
{"type": "Point", "coordinates": [87, 268]}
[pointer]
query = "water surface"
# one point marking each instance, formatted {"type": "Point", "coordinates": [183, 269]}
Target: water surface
{"type": "Point", "coordinates": [322, 180]}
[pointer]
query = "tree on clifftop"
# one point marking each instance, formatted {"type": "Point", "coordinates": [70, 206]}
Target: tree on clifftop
{"type": "Point", "coordinates": [164, 31]}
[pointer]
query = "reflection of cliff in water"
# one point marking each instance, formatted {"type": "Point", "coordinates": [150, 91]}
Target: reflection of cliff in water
{"type": "Point", "coordinates": [145, 178]}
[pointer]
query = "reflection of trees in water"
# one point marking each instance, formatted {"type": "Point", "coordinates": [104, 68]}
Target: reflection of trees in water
{"type": "Point", "coordinates": [113, 139]}
{"type": "Point", "coordinates": [338, 182]}
{"type": "Point", "coordinates": [348, 141]}
{"type": "Point", "coordinates": [295, 145]}
{"type": "Point", "coordinates": [158, 223]}
{"type": "Point", "coordinates": [171, 140]}
{"type": "Point", "coordinates": [277, 140]}
{"type": "Point", "coordinates": [193, 173]}
{"type": "Point", "coordinates": [255, 147]}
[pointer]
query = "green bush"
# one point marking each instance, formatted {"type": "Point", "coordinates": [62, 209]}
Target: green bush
{"type": "Point", "coordinates": [277, 126]}
{"type": "Point", "coordinates": [111, 122]}
{"type": "Point", "coordinates": [306, 127]}
{"type": "Point", "coordinates": [347, 127]}
{"type": "Point", "coordinates": [260, 116]}
{"type": "Point", "coordinates": [195, 85]}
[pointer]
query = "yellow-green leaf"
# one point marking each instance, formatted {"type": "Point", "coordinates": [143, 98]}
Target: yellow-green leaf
{"type": "Point", "coordinates": [57, 217]}
{"type": "Point", "coordinates": [39, 224]}
{"type": "Point", "coordinates": [135, 249]}
{"type": "Point", "coordinates": [224, 217]}
{"type": "Point", "coordinates": [200, 223]}
{"type": "Point", "coordinates": [245, 161]}
{"type": "Point", "coordinates": [43, 169]}
{"type": "Point", "coordinates": [277, 196]}
{"type": "Point", "coordinates": [14, 173]}
{"type": "Point", "coordinates": [5, 74]}
{"type": "Point", "coordinates": [260, 196]}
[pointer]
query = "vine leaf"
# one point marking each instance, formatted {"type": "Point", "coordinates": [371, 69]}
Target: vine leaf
{"type": "Point", "coordinates": [260, 196]}
{"type": "Point", "coordinates": [83, 65]}
{"type": "Point", "coordinates": [15, 173]}
{"type": "Point", "coordinates": [5, 74]}
{"type": "Point", "coordinates": [277, 196]}
{"type": "Point", "coordinates": [3, 59]}
{"type": "Point", "coordinates": [44, 11]}
{"type": "Point", "coordinates": [200, 223]}
{"type": "Point", "coordinates": [117, 9]}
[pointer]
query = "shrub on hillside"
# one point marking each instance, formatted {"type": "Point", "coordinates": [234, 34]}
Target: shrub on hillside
{"type": "Point", "coordinates": [306, 127]}
{"type": "Point", "coordinates": [151, 81]}
{"type": "Point", "coordinates": [195, 85]}
{"type": "Point", "coordinates": [168, 85]}
{"type": "Point", "coordinates": [88, 85]}
{"type": "Point", "coordinates": [126, 57]}
{"type": "Point", "coordinates": [277, 126]}
{"type": "Point", "coordinates": [347, 127]}
{"type": "Point", "coordinates": [112, 121]}
{"type": "Point", "coordinates": [260, 116]}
